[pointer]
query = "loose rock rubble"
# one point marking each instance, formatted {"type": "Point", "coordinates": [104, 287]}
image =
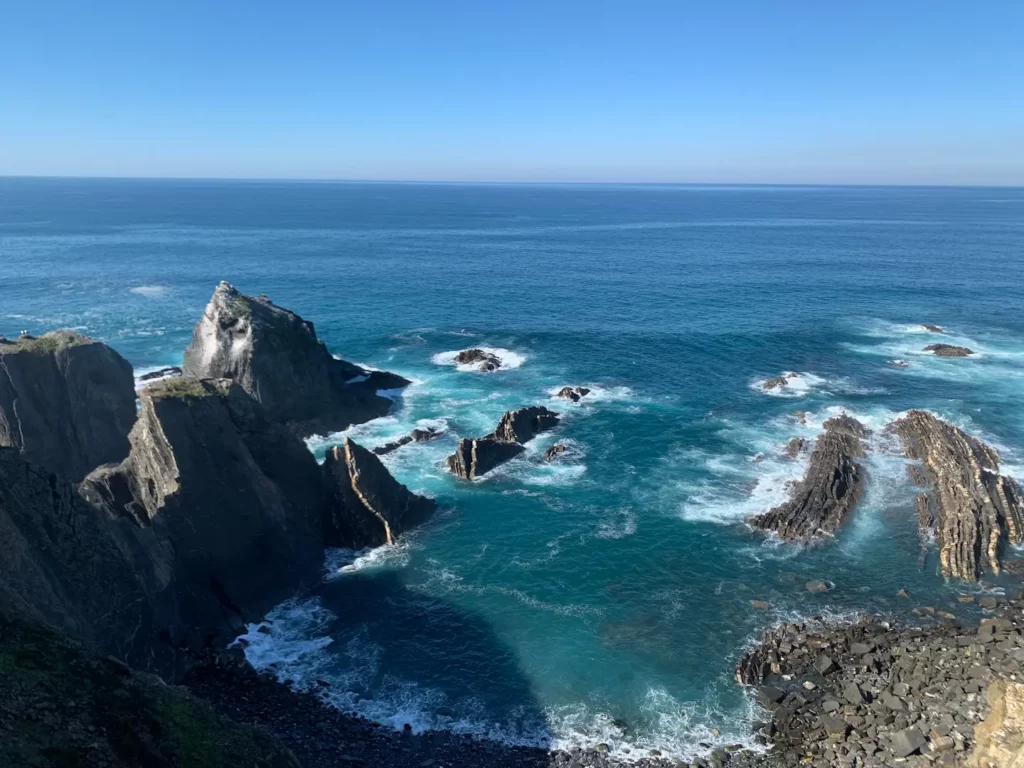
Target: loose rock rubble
{"type": "Point", "coordinates": [870, 695]}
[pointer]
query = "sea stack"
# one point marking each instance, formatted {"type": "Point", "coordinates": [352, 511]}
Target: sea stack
{"type": "Point", "coordinates": [975, 511]}
{"type": "Point", "coordinates": [368, 506]}
{"type": "Point", "coordinates": [831, 488]}
{"type": "Point", "coordinates": [67, 402]}
{"type": "Point", "coordinates": [474, 458]}
{"type": "Point", "coordinates": [275, 356]}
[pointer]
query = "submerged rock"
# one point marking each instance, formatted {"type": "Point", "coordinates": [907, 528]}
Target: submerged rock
{"type": "Point", "coordinates": [416, 436]}
{"type": "Point", "coordinates": [555, 452]}
{"type": "Point", "coordinates": [275, 356]}
{"type": "Point", "coordinates": [975, 511]}
{"type": "Point", "coordinates": [67, 402]}
{"type": "Point", "coordinates": [828, 492]}
{"type": "Point", "coordinates": [795, 447]}
{"type": "Point", "coordinates": [779, 381]}
{"type": "Point", "coordinates": [933, 328]}
{"type": "Point", "coordinates": [573, 393]}
{"type": "Point", "coordinates": [370, 508]}
{"type": "Point", "coordinates": [488, 361]}
{"type": "Point", "coordinates": [171, 371]}
{"type": "Point", "coordinates": [948, 350]}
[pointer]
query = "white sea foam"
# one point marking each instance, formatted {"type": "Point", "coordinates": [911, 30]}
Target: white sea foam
{"type": "Point", "coordinates": [341, 561]}
{"type": "Point", "coordinates": [797, 385]}
{"type": "Point", "coordinates": [150, 291]}
{"type": "Point", "coordinates": [509, 359]}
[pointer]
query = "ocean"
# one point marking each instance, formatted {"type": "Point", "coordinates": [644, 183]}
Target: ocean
{"type": "Point", "coordinates": [606, 597]}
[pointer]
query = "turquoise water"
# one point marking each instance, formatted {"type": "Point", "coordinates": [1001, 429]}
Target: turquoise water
{"type": "Point", "coordinates": [604, 598]}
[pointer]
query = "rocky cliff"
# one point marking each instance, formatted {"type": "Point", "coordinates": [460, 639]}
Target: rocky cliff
{"type": "Point", "coordinates": [226, 505]}
{"type": "Point", "coordinates": [275, 356]}
{"type": "Point", "coordinates": [999, 739]}
{"type": "Point", "coordinates": [67, 402]}
{"type": "Point", "coordinates": [975, 511]}
{"type": "Point", "coordinates": [829, 491]}
{"type": "Point", "coordinates": [368, 507]}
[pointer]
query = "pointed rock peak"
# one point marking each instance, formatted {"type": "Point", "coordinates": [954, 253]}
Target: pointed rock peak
{"type": "Point", "coordinates": [368, 506]}
{"type": "Point", "coordinates": [275, 356]}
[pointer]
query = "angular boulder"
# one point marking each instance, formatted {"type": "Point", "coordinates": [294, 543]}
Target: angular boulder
{"type": "Point", "coordinates": [275, 356]}
{"type": "Point", "coordinates": [828, 492]}
{"type": "Point", "coordinates": [367, 507]}
{"type": "Point", "coordinates": [524, 424]}
{"type": "Point", "coordinates": [976, 512]}
{"type": "Point", "coordinates": [67, 402]}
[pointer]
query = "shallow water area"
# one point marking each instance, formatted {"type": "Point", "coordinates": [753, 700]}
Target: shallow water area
{"type": "Point", "coordinates": [602, 598]}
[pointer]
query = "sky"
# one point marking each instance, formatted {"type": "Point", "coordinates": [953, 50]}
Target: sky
{"type": "Point", "coordinates": [720, 91]}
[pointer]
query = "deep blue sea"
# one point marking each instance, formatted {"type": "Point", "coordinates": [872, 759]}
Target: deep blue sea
{"type": "Point", "coordinates": [605, 598]}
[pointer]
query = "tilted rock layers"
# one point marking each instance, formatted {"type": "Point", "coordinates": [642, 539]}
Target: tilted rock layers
{"type": "Point", "coordinates": [275, 356]}
{"type": "Point", "coordinates": [974, 510]}
{"type": "Point", "coordinates": [831, 488]}
{"type": "Point", "coordinates": [476, 457]}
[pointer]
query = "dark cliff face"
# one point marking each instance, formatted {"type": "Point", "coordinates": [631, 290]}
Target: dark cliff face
{"type": "Point", "coordinates": [67, 402]}
{"type": "Point", "coordinates": [226, 507]}
{"type": "Point", "coordinates": [368, 507]}
{"type": "Point", "coordinates": [275, 356]}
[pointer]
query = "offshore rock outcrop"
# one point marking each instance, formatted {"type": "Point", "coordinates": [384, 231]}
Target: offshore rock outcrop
{"type": "Point", "coordinates": [974, 510]}
{"type": "Point", "coordinates": [416, 436]}
{"type": "Point", "coordinates": [67, 402]}
{"type": "Point", "coordinates": [831, 488]}
{"type": "Point", "coordinates": [575, 394]}
{"type": "Point", "coordinates": [218, 510]}
{"type": "Point", "coordinates": [369, 507]}
{"type": "Point", "coordinates": [948, 350]}
{"type": "Point", "coordinates": [275, 356]}
{"type": "Point", "coordinates": [485, 361]}
{"type": "Point", "coordinates": [474, 458]}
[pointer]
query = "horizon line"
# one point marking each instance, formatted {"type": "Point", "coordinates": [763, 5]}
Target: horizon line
{"type": "Point", "coordinates": [455, 182]}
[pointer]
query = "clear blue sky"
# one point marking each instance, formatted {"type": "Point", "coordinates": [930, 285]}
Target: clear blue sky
{"type": "Point", "coordinates": [809, 91]}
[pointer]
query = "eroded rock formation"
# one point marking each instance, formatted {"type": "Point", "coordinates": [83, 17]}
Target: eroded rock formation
{"type": "Point", "coordinates": [778, 381]}
{"type": "Point", "coordinates": [275, 356]}
{"type": "Point", "coordinates": [370, 507]}
{"type": "Point", "coordinates": [999, 739]}
{"type": "Point", "coordinates": [948, 350]}
{"type": "Point", "coordinates": [416, 436]}
{"type": "Point", "coordinates": [474, 458]}
{"type": "Point", "coordinates": [933, 328]}
{"type": "Point", "coordinates": [831, 488]}
{"type": "Point", "coordinates": [974, 510]}
{"type": "Point", "coordinates": [67, 402]}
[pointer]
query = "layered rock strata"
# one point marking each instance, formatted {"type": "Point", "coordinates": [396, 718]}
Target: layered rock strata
{"type": "Point", "coordinates": [828, 492]}
{"type": "Point", "coordinates": [475, 457]}
{"type": "Point", "coordinates": [975, 512]}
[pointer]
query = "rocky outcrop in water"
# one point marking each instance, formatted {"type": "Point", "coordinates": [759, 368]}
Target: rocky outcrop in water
{"type": "Point", "coordinates": [416, 436]}
{"type": "Point", "coordinates": [948, 350]}
{"type": "Point", "coordinates": [474, 458]}
{"type": "Point", "coordinates": [829, 491]}
{"type": "Point", "coordinates": [795, 447]}
{"type": "Point", "coordinates": [555, 452]}
{"type": "Point", "coordinates": [370, 508]}
{"type": "Point", "coordinates": [865, 694]}
{"type": "Point", "coordinates": [933, 328]}
{"type": "Point", "coordinates": [524, 424]}
{"type": "Point", "coordinates": [779, 381]}
{"type": "Point", "coordinates": [975, 511]}
{"type": "Point", "coordinates": [485, 361]}
{"type": "Point", "coordinates": [67, 402]}
{"type": "Point", "coordinates": [575, 394]}
{"type": "Point", "coordinates": [275, 356]}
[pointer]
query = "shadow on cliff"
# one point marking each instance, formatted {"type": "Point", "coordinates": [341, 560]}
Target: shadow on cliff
{"type": "Point", "coordinates": [461, 669]}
